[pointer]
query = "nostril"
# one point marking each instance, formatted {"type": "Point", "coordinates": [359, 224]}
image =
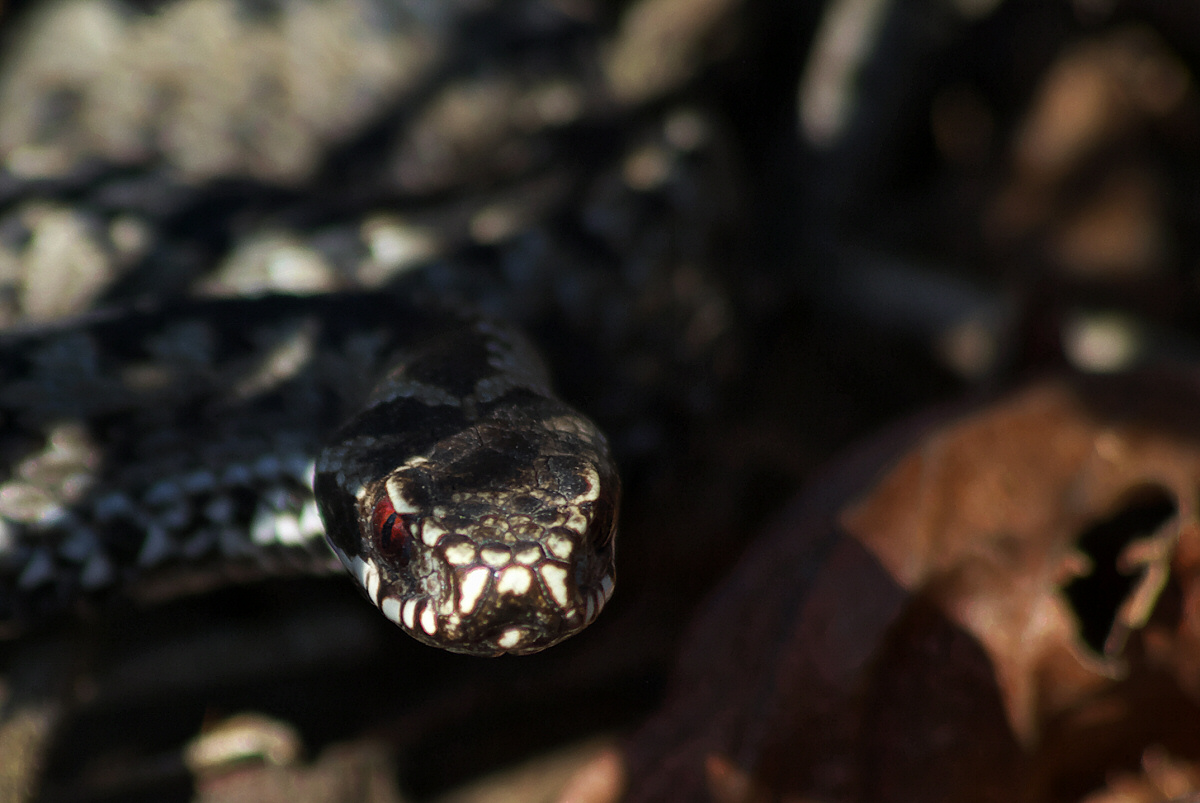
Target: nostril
{"type": "Point", "coordinates": [1097, 596]}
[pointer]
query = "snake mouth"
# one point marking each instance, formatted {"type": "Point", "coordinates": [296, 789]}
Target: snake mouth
{"type": "Point", "coordinates": [488, 610]}
{"type": "Point", "coordinates": [487, 618]}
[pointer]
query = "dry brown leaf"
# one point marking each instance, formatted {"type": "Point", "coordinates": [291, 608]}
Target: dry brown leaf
{"type": "Point", "coordinates": [906, 632]}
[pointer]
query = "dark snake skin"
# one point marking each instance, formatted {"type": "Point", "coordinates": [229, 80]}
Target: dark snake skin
{"type": "Point", "coordinates": [475, 509]}
{"type": "Point", "coordinates": [507, 496]}
{"type": "Point", "coordinates": [166, 445]}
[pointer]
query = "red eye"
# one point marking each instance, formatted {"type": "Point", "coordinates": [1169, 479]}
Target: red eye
{"type": "Point", "coordinates": [389, 528]}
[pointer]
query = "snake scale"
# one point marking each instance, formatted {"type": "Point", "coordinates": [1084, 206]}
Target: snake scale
{"type": "Point", "coordinates": [168, 441]}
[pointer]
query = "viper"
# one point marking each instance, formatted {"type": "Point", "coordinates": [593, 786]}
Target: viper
{"type": "Point", "coordinates": [158, 440]}
{"type": "Point", "coordinates": [474, 508]}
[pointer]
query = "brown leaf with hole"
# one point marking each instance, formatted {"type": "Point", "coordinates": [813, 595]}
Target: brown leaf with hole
{"type": "Point", "coordinates": [911, 629]}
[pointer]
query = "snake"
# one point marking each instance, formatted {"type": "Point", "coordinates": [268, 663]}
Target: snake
{"type": "Point", "coordinates": [475, 509]}
{"type": "Point", "coordinates": [397, 420]}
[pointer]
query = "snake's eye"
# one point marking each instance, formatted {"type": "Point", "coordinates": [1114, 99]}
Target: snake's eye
{"type": "Point", "coordinates": [388, 527]}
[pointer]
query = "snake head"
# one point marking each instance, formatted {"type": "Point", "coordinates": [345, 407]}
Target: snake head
{"type": "Point", "coordinates": [496, 538]}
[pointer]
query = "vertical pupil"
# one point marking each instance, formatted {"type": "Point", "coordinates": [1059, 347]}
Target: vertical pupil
{"type": "Point", "coordinates": [386, 533]}
{"type": "Point", "coordinates": [390, 531]}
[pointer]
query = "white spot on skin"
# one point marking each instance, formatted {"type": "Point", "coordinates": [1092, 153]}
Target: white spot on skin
{"type": "Point", "coordinates": [431, 532]}
{"type": "Point", "coordinates": [471, 588]}
{"type": "Point", "coordinates": [391, 609]}
{"type": "Point", "coordinates": [555, 578]}
{"type": "Point", "coordinates": [576, 522]}
{"type": "Point", "coordinates": [262, 529]}
{"type": "Point", "coordinates": [310, 520]}
{"type": "Point", "coordinates": [287, 530]}
{"type": "Point", "coordinates": [367, 576]}
{"type": "Point", "coordinates": [429, 620]}
{"type": "Point", "coordinates": [593, 491]}
{"type": "Point", "coordinates": [510, 638]}
{"type": "Point", "coordinates": [514, 580]}
{"type": "Point", "coordinates": [410, 614]}
{"type": "Point", "coordinates": [560, 546]}
{"type": "Point", "coordinates": [372, 583]}
{"type": "Point", "coordinates": [529, 556]}
{"type": "Point", "coordinates": [399, 500]}
{"type": "Point", "coordinates": [460, 554]}
{"type": "Point", "coordinates": [495, 557]}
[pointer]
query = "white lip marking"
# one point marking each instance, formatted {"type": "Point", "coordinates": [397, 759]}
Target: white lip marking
{"type": "Point", "coordinates": [514, 580]}
{"type": "Point", "coordinates": [431, 531]}
{"type": "Point", "coordinates": [399, 500]}
{"type": "Point", "coordinates": [528, 556]}
{"type": "Point", "coordinates": [555, 577]}
{"type": "Point", "coordinates": [368, 577]}
{"type": "Point", "coordinates": [606, 587]}
{"type": "Point", "coordinates": [473, 584]}
{"type": "Point", "coordinates": [410, 614]}
{"type": "Point", "coordinates": [510, 638]}
{"type": "Point", "coordinates": [460, 554]}
{"type": "Point", "coordinates": [391, 609]}
{"type": "Point", "coordinates": [590, 614]}
{"type": "Point", "coordinates": [372, 582]}
{"type": "Point", "coordinates": [429, 620]}
{"type": "Point", "coordinates": [593, 491]}
{"type": "Point", "coordinates": [495, 557]}
{"type": "Point", "coordinates": [560, 546]}
{"type": "Point", "coordinates": [576, 522]}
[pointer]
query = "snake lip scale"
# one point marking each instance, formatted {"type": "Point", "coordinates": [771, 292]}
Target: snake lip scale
{"type": "Point", "coordinates": [475, 509]}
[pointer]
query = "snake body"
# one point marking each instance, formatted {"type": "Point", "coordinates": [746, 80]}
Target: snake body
{"type": "Point", "coordinates": [475, 508]}
{"type": "Point", "coordinates": [170, 441]}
